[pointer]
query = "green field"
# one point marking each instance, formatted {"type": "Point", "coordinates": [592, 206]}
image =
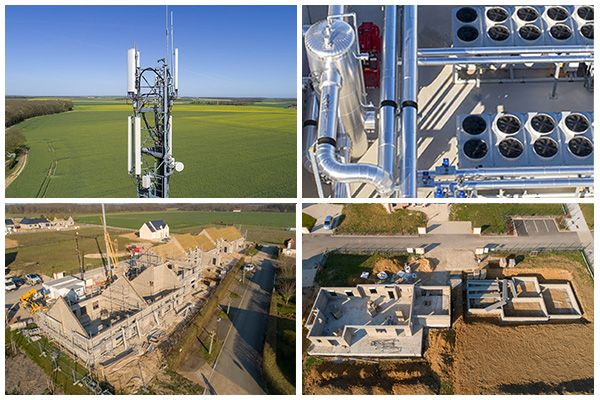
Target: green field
{"type": "Point", "coordinates": [374, 219]}
{"type": "Point", "coordinates": [261, 226]}
{"type": "Point", "coordinates": [55, 250]}
{"type": "Point", "coordinates": [228, 151]}
{"type": "Point", "coordinates": [490, 217]}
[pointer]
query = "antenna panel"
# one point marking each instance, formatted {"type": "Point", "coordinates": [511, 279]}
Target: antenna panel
{"type": "Point", "coordinates": [129, 143]}
{"type": "Point", "coordinates": [131, 65]}
{"type": "Point", "coordinates": [176, 70]}
{"type": "Point", "coordinates": [138, 145]}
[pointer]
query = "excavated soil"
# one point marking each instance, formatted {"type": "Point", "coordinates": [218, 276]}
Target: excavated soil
{"type": "Point", "coordinates": [555, 358]}
{"type": "Point", "coordinates": [362, 378]}
{"type": "Point", "coordinates": [10, 243]}
{"type": "Point", "coordinates": [390, 266]}
{"type": "Point", "coordinates": [422, 265]}
{"type": "Point", "coordinates": [480, 355]}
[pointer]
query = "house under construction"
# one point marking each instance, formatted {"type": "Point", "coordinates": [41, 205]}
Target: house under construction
{"type": "Point", "coordinates": [157, 290]}
{"type": "Point", "coordinates": [376, 320]}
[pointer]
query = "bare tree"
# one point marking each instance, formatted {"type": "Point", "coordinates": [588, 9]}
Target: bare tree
{"type": "Point", "coordinates": [287, 268]}
{"type": "Point", "coordinates": [287, 287]}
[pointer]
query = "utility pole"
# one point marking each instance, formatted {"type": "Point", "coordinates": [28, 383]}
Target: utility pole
{"type": "Point", "coordinates": [212, 338]}
{"type": "Point", "coordinates": [79, 255]}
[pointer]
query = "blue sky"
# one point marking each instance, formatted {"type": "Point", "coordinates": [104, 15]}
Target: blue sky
{"type": "Point", "coordinates": [82, 50]}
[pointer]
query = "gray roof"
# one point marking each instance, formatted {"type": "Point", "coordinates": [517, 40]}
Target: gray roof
{"type": "Point", "coordinates": [9, 221]}
{"type": "Point", "coordinates": [33, 221]}
{"type": "Point", "coordinates": [156, 224]}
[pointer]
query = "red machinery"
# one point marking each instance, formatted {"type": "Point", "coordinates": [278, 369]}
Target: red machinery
{"type": "Point", "coordinates": [134, 249]}
{"type": "Point", "coordinates": [370, 42]}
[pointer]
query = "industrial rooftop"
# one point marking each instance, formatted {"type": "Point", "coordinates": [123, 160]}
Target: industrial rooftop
{"type": "Point", "coordinates": [448, 101]}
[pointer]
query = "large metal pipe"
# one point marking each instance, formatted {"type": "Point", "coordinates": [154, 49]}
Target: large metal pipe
{"type": "Point", "coordinates": [309, 126]}
{"type": "Point", "coordinates": [387, 150]}
{"type": "Point", "coordinates": [524, 184]}
{"type": "Point", "coordinates": [462, 51]}
{"type": "Point", "coordinates": [527, 171]}
{"type": "Point", "coordinates": [326, 148]}
{"type": "Point", "coordinates": [336, 10]}
{"type": "Point", "coordinates": [506, 59]}
{"type": "Point", "coordinates": [334, 43]}
{"type": "Point", "coordinates": [408, 173]}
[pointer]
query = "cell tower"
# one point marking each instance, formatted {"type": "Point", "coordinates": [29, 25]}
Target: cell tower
{"type": "Point", "coordinates": [150, 129]}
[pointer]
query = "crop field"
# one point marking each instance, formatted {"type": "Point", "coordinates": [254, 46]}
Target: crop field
{"type": "Point", "coordinates": [228, 151]}
{"type": "Point", "coordinates": [261, 226]}
{"type": "Point", "coordinates": [180, 220]}
{"type": "Point", "coordinates": [55, 250]}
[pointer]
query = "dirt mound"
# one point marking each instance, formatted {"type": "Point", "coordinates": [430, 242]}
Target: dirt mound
{"type": "Point", "coordinates": [388, 265]}
{"type": "Point", "coordinates": [357, 280]}
{"type": "Point", "coordinates": [421, 265]}
{"type": "Point", "coordinates": [384, 378]}
{"type": "Point", "coordinates": [10, 243]}
{"type": "Point", "coordinates": [98, 255]}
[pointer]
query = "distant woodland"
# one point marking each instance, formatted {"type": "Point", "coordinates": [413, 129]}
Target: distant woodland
{"type": "Point", "coordinates": [68, 209]}
{"type": "Point", "coordinates": [16, 111]}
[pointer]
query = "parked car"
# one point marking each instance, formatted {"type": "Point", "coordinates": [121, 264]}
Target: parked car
{"type": "Point", "coordinates": [249, 267]}
{"type": "Point", "coordinates": [328, 222]}
{"type": "Point", "coordinates": [33, 279]}
{"type": "Point", "coordinates": [9, 285]}
{"type": "Point", "coordinates": [18, 281]}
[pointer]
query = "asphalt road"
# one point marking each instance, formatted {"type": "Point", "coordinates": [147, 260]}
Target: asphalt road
{"type": "Point", "coordinates": [535, 226]}
{"type": "Point", "coordinates": [314, 246]}
{"type": "Point", "coordinates": [238, 369]}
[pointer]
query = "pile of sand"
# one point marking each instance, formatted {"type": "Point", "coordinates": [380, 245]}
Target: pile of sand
{"type": "Point", "coordinates": [390, 266]}
{"type": "Point", "coordinates": [421, 265]}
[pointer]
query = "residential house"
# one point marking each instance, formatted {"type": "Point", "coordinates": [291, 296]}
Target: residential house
{"type": "Point", "coordinates": [62, 223]}
{"type": "Point", "coordinates": [155, 229]}
{"type": "Point", "coordinates": [35, 223]}
{"type": "Point", "coordinates": [9, 225]}
{"type": "Point", "coordinates": [289, 247]}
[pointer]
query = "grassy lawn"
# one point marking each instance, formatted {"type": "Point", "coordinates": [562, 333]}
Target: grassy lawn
{"type": "Point", "coordinates": [61, 380]}
{"type": "Point", "coordinates": [308, 221]}
{"type": "Point", "coordinates": [228, 151]}
{"type": "Point", "coordinates": [339, 267]}
{"type": "Point", "coordinates": [55, 250]}
{"type": "Point", "coordinates": [588, 214]}
{"type": "Point", "coordinates": [279, 353]}
{"type": "Point", "coordinates": [286, 340]}
{"type": "Point", "coordinates": [373, 219]}
{"type": "Point", "coordinates": [490, 216]}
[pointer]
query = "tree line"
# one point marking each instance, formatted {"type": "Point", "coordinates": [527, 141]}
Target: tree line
{"type": "Point", "coordinates": [16, 111]}
{"type": "Point", "coordinates": [223, 102]}
{"type": "Point", "coordinates": [68, 209]}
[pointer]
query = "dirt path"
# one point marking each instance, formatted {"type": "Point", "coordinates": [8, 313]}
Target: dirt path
{"type": "Point", "coordinates": [98, 255]}
{"type": "Point", "coordinates": [10, 243]}
{"type": "Point", "coordinates": [20, 166]}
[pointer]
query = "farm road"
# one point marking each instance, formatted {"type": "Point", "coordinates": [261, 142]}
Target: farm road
{"type": "Point", "coordinates": [22, 161]}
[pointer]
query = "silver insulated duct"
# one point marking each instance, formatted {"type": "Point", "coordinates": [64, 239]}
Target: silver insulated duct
{"type": "Point", "coordinates": [332, 45]}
